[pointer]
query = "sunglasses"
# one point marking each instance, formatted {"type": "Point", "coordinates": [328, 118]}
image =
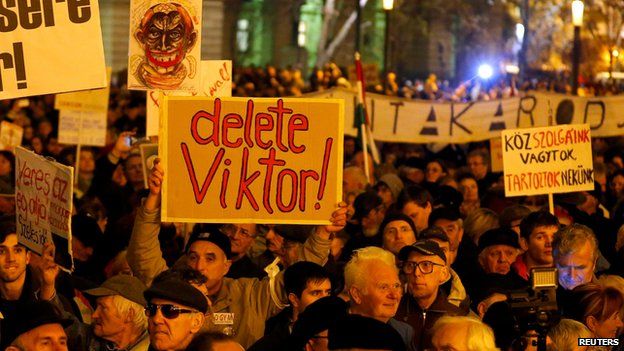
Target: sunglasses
{"type": "Point", "coordinates": [168, 311]}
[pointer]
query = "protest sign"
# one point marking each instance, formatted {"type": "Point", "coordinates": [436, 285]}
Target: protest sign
{"type": "Point", "coordinates": [43, 202]}
{"type": "Point", "coordinates": [82, 127]}
{"type": "Point", "coordinates": [50, 47]}
{"type": "Point", "coordinates": [496, 155]}
{"type": "Point", "coordinates": [176, 67]}
{"type": "Point", "coordinates": [88, 100]}
{"type": "Point", "coordinates": [547, 160]}
{"type": "Point", "coordinates": [216, 81]}
{"type": "Point", "coordinates": [10, 135]}
{"type": "Point", "coordinates": [217, 78]}
{"type": "Point", "coordinates": [251, 160]}
{"type": "Point", "coordinates": [421, 121]}
{"type": "Point", "coordinates": [149, 153]}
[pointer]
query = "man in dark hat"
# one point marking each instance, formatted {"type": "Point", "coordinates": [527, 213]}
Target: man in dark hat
{"type": "Point", "coordinates": [424, 265]}
{"type": "Point", "coordinates": [175, 310]}
{"type": "Point", "coordinates": [449, 220]}
{"type": "Point", "coordinates": [498, 249]}
{"type": "Point", "coordinates": [119, 321]}
{"type": "Point", "coordinates": [39, 327]}
{"type": "Point", "coordinates": [310, 331]}
{"type": "Point", "coordinates": [241, 306]}
{"type": "Point", "coordinates": [355, 332]}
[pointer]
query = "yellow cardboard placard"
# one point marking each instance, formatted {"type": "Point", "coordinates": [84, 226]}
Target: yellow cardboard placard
{"type": "Point", "coordinates": [251, 160]}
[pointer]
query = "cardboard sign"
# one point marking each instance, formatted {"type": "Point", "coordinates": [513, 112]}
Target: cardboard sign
{"type": "Point", "coordinates": [547, 160]}
{"type": "Point", "coordinates": [82, 127]}
{"type": "Point", "coordinates": [175, 67]}
{"type": "Point", "coordinates": [496, 155]}
{"type": "Point", "coordinates": [217, 78]}
{"type": "Point", "coordinates": [43, 202]}
{"type": "Point", "coordinates": [50, 47]}
{"type": "Point", "coordinates": [251, 160]}
{"type": "Point", "coordinates": [421, 121]}
{"type": "Point", "coordinates": [88, 100]}
{"type": "Point", "coordinates": [10, 135]}
{"type": "Point", "coordinates": [149, 153]}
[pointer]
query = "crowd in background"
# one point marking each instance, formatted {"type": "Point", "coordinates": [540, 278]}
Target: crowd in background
{"type": "Point", "coordinates": [423, 255]}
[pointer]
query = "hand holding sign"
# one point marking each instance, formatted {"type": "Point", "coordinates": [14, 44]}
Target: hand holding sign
{"type": "Point", "coordinates": [46, 270]}
{"type": "Point", "coordinates": [154, 182]}
{"type": "Point", "coordinates": [338, 219]}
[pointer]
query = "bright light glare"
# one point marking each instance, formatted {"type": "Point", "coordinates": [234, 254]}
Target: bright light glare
{"type": "Point", "coordinates": [519, 32]}
{"type": "Point", "coordinates": [485, 71]}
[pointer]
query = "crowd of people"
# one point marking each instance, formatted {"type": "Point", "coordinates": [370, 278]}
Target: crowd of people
{"type": "Point", "coordinates": [271, 81]}
{"type": "Point", "coordinates": [425, 254]}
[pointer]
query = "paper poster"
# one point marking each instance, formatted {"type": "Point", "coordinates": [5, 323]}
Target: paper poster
{"type": "Point", "coordinates": [88, 100]}
{"type": "Point", "coordinates": [547, 160]}
{"type": "Point", "coordinates": [10, 135]}
{"type": "Point", "coordinates": [50, 47]}
{"type": "Point", "coordinates": [217, 78]}
{"type": "Point", "coordinates": [496, 155]}
{"type": "Point", "coordinates": [43, 202]}
{"type": "Point", "coordinates": [251, 160]}
{"type": "Point", "coordinates": [87, 128]}
{"type": "Point", "coordinates": [149, 154]}
{"type": "Point", "coordinates": [165, 45]}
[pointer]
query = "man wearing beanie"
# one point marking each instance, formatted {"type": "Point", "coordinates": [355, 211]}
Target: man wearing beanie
{"type": "Point", "coordinates": [119, 321]}
{"type": "Point", "coordinates": [388, 188]}
{"type": "Point", "coordinates": [498, 249]}
{"type": "Point", "coordinates": [175, 311]}
{"type": "Point", "coordinates": [240, 306]}
{"type": "Point", "coordinates": [38, 323]}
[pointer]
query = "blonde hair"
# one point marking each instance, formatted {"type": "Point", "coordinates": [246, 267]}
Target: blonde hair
{"type": "Point", "coordinates": [479, 336]}
{"type": "Point", "coordinates": [356, 270]}
{"type": "Point", "coordinates": [478, 222]}
{"type": "Point", "coordinates": [566, 333]}
{"type": "Point", "coordinates": [124, 306]}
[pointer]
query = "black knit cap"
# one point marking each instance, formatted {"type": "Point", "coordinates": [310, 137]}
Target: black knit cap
{"type": "Point", "coordinates": [170, 286]}
{"type": "Point", "coordinates": [317, 317]}
{"type": "Point", "coordinates": [86, 229]}
{"type": "Point", "coordinates": [210, 233]}
{"type": "Point", "coordinates": [355, 331]}
{"type": "Point", "coordinates": [499, 236]}
{"type": "Point", "coordinates": [31, 315]}
{"type": "Point", "coordinates": [423, 247]}
{"type": "Point", "coordinates": [294, 232]}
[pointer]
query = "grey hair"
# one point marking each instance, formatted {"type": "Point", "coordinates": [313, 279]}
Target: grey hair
{"type": "Point", "coordinates": [124, 306]}
{"type": "Point", "coordinates": [479, 336]}
{"type": "Point", "coordinates": [571, 238]}
{"type": "Point", "coordinates": [566, 333]}
{"type": "Point", "coordinates": [480, 221]}
{"type": "Point", "coordinates": [356, 270]}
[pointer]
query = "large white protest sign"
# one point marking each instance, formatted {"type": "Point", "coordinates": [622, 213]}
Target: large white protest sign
{"type": "Point", "coordinates": [547, 160]}
{"type": "Point", "coordinates": [43, 203]}
{"type": "Point", "coordinates": [82, 127]}
{"type": "Point", "coordinates": [420, 121]}
{"type": "Point", "coordinates": [50, 47]}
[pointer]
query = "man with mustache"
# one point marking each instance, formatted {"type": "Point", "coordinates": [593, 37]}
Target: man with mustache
{"type": "Point", "coordinates": [119, 321]}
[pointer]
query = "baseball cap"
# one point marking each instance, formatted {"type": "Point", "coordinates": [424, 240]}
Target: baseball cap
{"type": "Point", "coordinates": [170, 286]}
{"type": "Point", "coordinates": [123, 285]}
{"type": "Point", "coordinates": [433, 232]}
{"type": "Point", "coordinates": [211, 234]}
{"type": "Point", "coordinates": [423, 247]}
{"type": "Point", "coordinates": [499, 236]}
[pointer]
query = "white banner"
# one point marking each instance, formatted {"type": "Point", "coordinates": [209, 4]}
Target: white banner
{"type": "Point", "coordinates": [82, 127]}
{"type": "Point", "coordinates": [420, 121]}
{"type": "Point", "coordinates": [50, 47]}
{"type": "Point", "coordinates": [43, 203]}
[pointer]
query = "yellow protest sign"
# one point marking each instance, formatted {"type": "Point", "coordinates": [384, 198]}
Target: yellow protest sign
{"type": "Point", "coordinates": [50, 47]}
{"type": "Point", "coordinates": [546, 160]}
{"type": "Point", "coordinates": [251, 160]}
{"type": "Point", "coordinates": [88, 100]}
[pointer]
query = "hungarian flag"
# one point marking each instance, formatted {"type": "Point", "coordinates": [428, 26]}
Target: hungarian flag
{"type": "Point", "coordinates": [365, 134]}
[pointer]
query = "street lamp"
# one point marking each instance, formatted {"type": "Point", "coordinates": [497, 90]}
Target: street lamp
{"type": "Point", "coordinates": [388, 5]}
{"type": "Point", "coordinates": [577, 20]}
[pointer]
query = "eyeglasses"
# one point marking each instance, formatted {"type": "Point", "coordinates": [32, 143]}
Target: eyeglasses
{"type": "Point", "coordinates": [426, 267]}
{"type": "Point", "coordinates": [168, 311]}
{"type": "Point", "coordinates": [232, 229]}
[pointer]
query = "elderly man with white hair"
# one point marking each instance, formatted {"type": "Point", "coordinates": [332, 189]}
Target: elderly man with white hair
{"type": "Point", "coordinates": [462, 333]}
{"type": "Point", "coordinates": [119, 320]}
{"type": "Point", "coordinates": [372, 281]}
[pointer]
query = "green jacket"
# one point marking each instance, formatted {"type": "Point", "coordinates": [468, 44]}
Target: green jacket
{"type": "Point", "coordinates": [248, 299]}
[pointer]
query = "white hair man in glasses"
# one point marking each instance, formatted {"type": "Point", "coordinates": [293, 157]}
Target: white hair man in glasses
{"type": "Point", "coordinates": [175, 312]}
{"type": "Point", "coordinates": [240, 306]}
{"type": "Point", "coordinates": [424, 265]}
{"type": "Point", "coordinates": [372, 281]}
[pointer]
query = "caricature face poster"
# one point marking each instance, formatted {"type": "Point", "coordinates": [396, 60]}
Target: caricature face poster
{"type": "Point", "coordinates": [165, 43]}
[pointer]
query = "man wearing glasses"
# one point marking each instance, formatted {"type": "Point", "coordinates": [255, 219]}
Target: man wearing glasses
{"type": "Point", "coordinates": [241, 238]}
{"type": "Point", "coordinates": [424, 265]}
{"type": "Point", "coordinates": [175, 312]}
{"type": "Point", "coordinates": [241, 306]}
